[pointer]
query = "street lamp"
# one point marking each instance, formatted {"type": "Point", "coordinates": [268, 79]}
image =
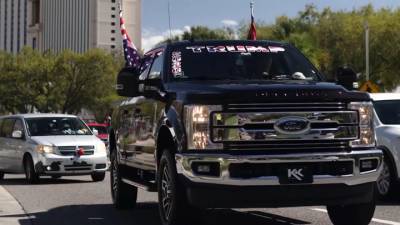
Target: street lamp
{"type": "Point", "coordinates": [366, 27]}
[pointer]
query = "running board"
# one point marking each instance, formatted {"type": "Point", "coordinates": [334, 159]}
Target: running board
{"type": "Point", "coordinates": [150, 187]}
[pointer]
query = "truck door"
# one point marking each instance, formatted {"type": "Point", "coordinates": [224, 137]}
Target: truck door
{"type": "Point", "coordinates": [146, 113]}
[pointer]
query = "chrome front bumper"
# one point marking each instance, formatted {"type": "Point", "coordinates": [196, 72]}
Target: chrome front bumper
{"type": "Point", "coordinates": [184, 167]}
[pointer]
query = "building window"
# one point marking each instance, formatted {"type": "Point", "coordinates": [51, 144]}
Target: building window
{"type": "Point", "coordinates": [113, 46]}
{"type": "Point", "coordinates": [113, 8]}
{"type": "Point", "coordinates": [112, 39]}
{"type": "Point", "coordinates": [112, 16]}
{"type": "Point", "coordinates": [35, 12]}
{"type": "Point", "coordinates": [113, 1]}
{"type": "Point", "coordinates": [112, 23]}
{"type": "Point", "coordinates": [113, 31]}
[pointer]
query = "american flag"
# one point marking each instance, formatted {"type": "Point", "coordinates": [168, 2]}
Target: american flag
{"type": "Point", "coordinates": [131, 54]}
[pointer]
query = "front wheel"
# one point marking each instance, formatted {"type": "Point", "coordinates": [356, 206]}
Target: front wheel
{"type": "Point", "coordinates": [123, 195]}
{"type": "Point", "coordinates": [98, 176]}
{"type": "Point", "coordinates": [30, 174]}
{"type": "Point", "coordinates": [385, 185]}
{"type": "Point", "coordinates": [357, 214]}
{"type": "Point", "coordinates": [173, 205]}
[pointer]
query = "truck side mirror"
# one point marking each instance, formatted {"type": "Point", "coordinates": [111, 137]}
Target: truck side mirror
{"type": "Point", "coordinates": [128, 83]}
{"type": "Point", "coordinates": [346, 77]}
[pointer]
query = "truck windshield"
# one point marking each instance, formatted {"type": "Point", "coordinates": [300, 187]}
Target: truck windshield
{"type": "Point", "coordinates": [388, 111]}
{"type": "Point", "coordinates": [51, 126]}
{"type": "Point", "coordinates": [240, 62]}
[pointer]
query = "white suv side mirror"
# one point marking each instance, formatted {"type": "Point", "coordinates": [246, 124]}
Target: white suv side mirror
{"type": "Point", "coordinates": [17, 134]}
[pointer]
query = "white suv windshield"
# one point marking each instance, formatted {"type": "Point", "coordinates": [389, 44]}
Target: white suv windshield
{"type": "Point", "coordinates": [50, 126]}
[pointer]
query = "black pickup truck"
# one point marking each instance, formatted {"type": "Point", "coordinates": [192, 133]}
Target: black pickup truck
{"type": "Point", "coordinates": [238, 124]}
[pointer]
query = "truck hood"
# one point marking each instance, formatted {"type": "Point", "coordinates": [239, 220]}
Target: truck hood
{"type": "Point", "coordinates": [262, 91]}
{"type": "Point", "coordinates": [67, 140]}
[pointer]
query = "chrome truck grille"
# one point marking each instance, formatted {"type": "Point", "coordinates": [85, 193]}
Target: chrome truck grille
{"type": "Point", "coordinates": [300, 126]}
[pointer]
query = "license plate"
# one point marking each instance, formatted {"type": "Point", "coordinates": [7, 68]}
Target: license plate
{"type": "Point", "coordinates": [295, 175]}
{"type": "Point", "coordinates": [79, 163]}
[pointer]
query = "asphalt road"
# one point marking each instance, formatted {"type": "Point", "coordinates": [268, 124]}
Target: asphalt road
{"type": "Point", "coordinates": [79, 201]}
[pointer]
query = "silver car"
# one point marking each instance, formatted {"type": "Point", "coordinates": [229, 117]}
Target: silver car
{"type": "Point", "coordinates": [50, 144]}
{"type": "Point", "coordinates": [387, 129]}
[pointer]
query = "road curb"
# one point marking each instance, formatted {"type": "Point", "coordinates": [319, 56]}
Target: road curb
{"type": "Point", "coordinates": [11, 212]}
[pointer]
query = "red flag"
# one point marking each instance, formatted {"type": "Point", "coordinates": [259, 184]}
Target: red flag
{"type": "Point", "coordinates": [252, 32]}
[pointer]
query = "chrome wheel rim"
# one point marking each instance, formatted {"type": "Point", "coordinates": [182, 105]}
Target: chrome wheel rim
{"type": "Point", "coordinates": [383, 183]}
{"type": "Point", "coordinates": [114, 179]}
{"type": "Point", "coordinates": [166, 193]}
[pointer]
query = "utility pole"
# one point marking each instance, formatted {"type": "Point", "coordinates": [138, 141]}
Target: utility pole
{"type": "Point", "coordinates": [366, 26]}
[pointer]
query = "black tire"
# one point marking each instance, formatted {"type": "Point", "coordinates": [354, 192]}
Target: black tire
{"type": "Point", "coordinates": [174, 208]}
{"type": "Point", "coordinates": [98, 176]}
{"type": "Point", "coordinates": [30, 174]}
{"type": "Point", "coordinates": [56, 176]}
{"type": "Point", "coordinates": [357, 214]}
{"type": "Point", "coordinates": [1, 175]}
{"type": "Point", "coordinates": [124, 196]}
{"type": "Point", "coordinates": [386, 184]}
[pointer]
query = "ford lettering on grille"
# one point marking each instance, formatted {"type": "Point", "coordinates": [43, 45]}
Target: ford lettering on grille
{"type": "Point", "coordinates": [292, 125]}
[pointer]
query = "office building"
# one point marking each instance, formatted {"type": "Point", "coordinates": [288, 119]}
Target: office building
{"type": "Point", "coordinates": [13, 24]}
{"type": "Point", "coordinates": [77, 25]}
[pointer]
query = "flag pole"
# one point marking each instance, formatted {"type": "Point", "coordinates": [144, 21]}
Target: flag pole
{"type": "Point", "coordinates": [252, 10]}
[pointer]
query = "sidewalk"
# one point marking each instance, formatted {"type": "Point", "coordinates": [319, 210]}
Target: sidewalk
{"type": "Point", "coordinates": [11, 212]}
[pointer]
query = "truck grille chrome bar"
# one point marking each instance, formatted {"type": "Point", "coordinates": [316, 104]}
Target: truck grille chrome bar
{"type": "Point", "coordinates": [285, 126]}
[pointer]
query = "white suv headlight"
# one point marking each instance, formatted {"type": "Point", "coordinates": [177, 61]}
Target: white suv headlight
{"type": "Point", "coordinates": [42, 149]}
{"type": "Point", "coordinates": [101, 148]}
{"type": "Point", "coordinates": [197, 120]}
{"type": "Point", "coordinates": [367, 134]}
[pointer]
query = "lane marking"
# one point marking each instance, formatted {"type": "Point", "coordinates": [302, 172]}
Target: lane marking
{"type": "Point", "coordinates": [373, 219]}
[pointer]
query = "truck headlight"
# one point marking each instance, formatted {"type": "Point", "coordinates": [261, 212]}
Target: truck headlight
{"type": "Point", "coordinates": [42, 149]}
{"type": "Point", "coordinates": [197, 120]}
{"type": "Point", "coordinates": [365, 114]}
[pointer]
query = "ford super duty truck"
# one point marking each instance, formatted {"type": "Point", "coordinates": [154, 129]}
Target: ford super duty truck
{"type": "Point", "coordinates": [237, 124]}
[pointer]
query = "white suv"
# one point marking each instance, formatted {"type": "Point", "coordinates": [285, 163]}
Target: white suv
{"type": "Point", "coordinates": [387, 124]}
{"type": "Point", "coordinates": [50, 144]}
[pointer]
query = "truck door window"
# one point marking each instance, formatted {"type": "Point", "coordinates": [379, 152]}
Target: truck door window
{"type": "Point", "coordinates": [145, 68]}
{"type": "Point", "coordinates": [156, 68]}
{"type": "Point", "coordinates": [7, 128]}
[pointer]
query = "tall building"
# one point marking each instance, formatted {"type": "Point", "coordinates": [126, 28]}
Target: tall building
{"type": "Point", "coordinates": [77, 25]}
{"type": "Point", "coordinates": [13, 24]}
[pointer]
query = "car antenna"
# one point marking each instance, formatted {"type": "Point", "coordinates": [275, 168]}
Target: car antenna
{"type": "Point", "coordinates": [169, 20]}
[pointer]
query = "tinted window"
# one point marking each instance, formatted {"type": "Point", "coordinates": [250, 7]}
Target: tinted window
{"type": "Point", "coordinates": [156, 68]}
{"type": "Point", "coordinates": [388, 111]}
{"type": "Point", "coordinates": [7, 128]}
{"type": "Point", "coordinates": [48, 126]}
{"type": "Point", "coordinates": [145, 67]}
{"type": "Point", "coordinates": [239, 62]}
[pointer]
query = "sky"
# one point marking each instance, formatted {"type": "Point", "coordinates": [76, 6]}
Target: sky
{"type": "Point", "coordinates": [220, 13]}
